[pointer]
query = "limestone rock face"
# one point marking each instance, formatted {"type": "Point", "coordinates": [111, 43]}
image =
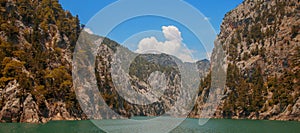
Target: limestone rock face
{"type": "Point", "coordinates": [35, 57]}
{"type": "Point", "coordinates": [27, 110]}
{"type": "Point", "coordinates": [155, 81]}
{"type": "Point", "coordinates": [261, 42]}
{"type": "Point", "coordinates": [12, 108]}
{"type": "Point", "coordinates": [30, 111]}
{"type": "Point", "coordinates": [58, 111]}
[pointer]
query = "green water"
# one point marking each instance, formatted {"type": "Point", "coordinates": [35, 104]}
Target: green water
{"type": "Point", "coordinates": [189, 125]}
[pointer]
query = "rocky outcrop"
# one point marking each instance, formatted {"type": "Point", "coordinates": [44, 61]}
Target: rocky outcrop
{"type": "Point", "coordinates": [291, 112]}
{"type": "Point", "coordinates": [30, 112]}
{"type": "Point", "coordinates": [58, 111]}
{"type": "Point", "coordinates": [12, 108]}
{"type": "Point", "coordinates": [27, 110]}
{"type": "Point", "coordinates": [16, 109]}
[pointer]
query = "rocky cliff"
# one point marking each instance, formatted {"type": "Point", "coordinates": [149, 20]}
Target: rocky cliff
{"type": "Point", "coordinates": [261, 42]}
{"type": "Point", "coordinates": [36, 43]}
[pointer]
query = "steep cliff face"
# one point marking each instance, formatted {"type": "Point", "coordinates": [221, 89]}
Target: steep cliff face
{"type": "Point", "coordinates": [36, 42]}
{"type": "Point", "coordinates": [134, 84]}
{"type": "Point", "coordinates": [262, 44]}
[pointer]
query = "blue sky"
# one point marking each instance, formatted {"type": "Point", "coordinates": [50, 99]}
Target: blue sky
{"type": "Point", "coordinates": [131, 31]}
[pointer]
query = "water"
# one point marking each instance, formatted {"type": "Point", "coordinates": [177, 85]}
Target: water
{"type": "Point", "coordinates": [189, 125]}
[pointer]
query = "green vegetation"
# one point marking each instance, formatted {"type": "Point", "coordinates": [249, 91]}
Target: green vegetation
{"type": "Point", "coordinates": [257, 85]}
{"type": "Point", "coordinates": [39, 69]}
{"type": "Point", "coordinates": [33, 52]}
{"type": "Point", "coordinates": [249, 94]}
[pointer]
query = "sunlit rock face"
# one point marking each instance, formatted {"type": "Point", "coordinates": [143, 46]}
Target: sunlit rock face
{"type": "Point", "coordinates": [261, 42]}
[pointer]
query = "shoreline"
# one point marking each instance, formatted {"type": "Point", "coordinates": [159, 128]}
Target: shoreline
{"type": "Point", "coordinates": [149, 117]}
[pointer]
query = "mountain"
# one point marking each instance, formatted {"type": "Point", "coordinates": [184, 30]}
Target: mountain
{"type": "Point", "coordinates": [260, 40]}
{"type": "Point", "coordinates": [132, 84]}
{"type": "Point", "coordinates": [261, 43]}
{"type": "Point", "coordinates": [37, 38]}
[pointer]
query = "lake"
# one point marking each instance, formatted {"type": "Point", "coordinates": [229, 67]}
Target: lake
{"type": "Point", "coordinates": [189, 125]}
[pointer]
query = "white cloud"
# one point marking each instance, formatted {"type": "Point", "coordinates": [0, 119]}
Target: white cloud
{"type": "Point", "coordinates": [88, 30]}
{"type": "Point", "coordinates": [172, 46]}
{"type": "Point", "coordinates": [172, 33]}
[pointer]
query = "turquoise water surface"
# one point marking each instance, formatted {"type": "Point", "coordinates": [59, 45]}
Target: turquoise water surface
{"type": "Point", "coordinates": [189, 125]}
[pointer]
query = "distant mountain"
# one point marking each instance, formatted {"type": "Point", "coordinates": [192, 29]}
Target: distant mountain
{"type": "Point", "coordinates": [154, 80]}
